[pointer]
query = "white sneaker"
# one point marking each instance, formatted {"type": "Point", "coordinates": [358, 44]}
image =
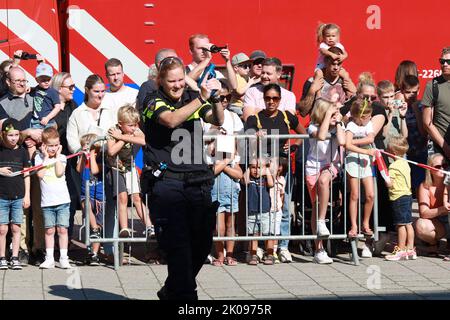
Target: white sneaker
{"type": "Point", "coordinates": [47, 264]}
{"type": "Point", "coordinates": [260, 253]}
{"type": "Point", "coordinates": [64, 263]}
{"type": "Point", "coordinates": [366, 252]}
{"type": "Point", "coordinates": [285, 255]}
{"type": "Point", "coordinates": [322, 230]}
{"type": "Point", "coordinates": [209, 259]}
{"type": "Point", "coordinates": [321, 257]}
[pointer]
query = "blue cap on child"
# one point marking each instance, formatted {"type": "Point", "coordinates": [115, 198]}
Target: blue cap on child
{"type": "Point", "coordinates": [44, 69]}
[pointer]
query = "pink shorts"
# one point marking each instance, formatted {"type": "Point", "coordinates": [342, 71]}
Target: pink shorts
{"type": "Point", "coordinates": [311, 181]}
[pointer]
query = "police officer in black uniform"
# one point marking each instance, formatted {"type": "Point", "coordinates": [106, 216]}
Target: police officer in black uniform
{"type": "Point", "coordinates": [176, 177]}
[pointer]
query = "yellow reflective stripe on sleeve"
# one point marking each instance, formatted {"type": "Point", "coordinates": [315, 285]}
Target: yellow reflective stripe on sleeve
{"type": "Point", "coordinates": [196, 114]}
{"type": "Point", "coordinates": [148, 112]}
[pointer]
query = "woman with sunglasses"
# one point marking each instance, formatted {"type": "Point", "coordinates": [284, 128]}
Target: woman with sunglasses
{"type": "Point", "coordinates": [177, 178]}
{"type": "Point", "coordinates": [64, 84]}
{"type": "Point", "coordinates": [272, 121]}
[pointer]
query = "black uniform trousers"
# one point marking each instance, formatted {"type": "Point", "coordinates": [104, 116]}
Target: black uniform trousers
{"type": "Point", "coordinates": [184, 219]}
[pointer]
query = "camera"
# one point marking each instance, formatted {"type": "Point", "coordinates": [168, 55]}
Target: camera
{"type": "Point", "coordinates": [397, 103]}
{"type": "Point", "coordinates": [215, 49]}
{"type": "Point", "coordinates": [26, 56]}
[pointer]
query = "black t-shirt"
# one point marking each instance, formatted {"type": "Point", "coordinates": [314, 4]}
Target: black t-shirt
{"type": "Point", "coordinates": [377, 109]}
{"type": "Point", "coordinates": [12, 188]}
{"type": "Point", "coordinates": [147, 87]}
{"type": "Point", "coordinates": [62, 118]}
{"type": "Point", "coordinates": [187, 148]}
{"type": "Point", "coordinates": [274, 125]}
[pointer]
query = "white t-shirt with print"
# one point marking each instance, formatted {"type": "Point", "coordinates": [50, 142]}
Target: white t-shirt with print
{"type": "Point", "coordinates": [321, 153]}
{"type": "Point", "coordinates": [53, 189]}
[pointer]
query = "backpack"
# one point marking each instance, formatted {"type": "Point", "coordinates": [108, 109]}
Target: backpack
{"type": "Point", "coordinates": [285, 117]}
{"type": "Point", "coordinates": [435, 89]}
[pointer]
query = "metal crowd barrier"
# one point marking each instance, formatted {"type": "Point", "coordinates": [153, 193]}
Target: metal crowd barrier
{"type": "Point", "coordinates": [246, 151]}
{"type": "Point", "coordinates": [302, 211]}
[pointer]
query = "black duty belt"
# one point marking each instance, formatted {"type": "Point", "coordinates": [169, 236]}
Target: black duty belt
{"type": "Point", "coordinates": [175, 175]}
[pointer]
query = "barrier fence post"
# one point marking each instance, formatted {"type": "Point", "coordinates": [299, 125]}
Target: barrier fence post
{"type": "Point", "coordinates": [87, 210]}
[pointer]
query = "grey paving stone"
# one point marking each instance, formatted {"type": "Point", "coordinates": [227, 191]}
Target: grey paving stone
{"type": "Point", "coordinates": [321, 297]}
{"type": "Point", "coordinates": [274, 296]}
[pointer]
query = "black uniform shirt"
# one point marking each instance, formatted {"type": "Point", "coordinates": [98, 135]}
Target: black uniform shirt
{"type": "Point", "coordinates": [185, 153]}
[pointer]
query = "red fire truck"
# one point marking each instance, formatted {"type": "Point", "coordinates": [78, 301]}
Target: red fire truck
{"type": "Point", "coordinates": [79, 35]}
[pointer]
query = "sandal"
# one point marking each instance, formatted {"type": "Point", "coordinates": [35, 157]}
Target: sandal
{"type": "Point", "coordinates": [367, 232]}
{"type": "Point", "coordinates": [230, 261]}
{"type": "Point", "coordinates": [352, 234]}
{"type": "Point", "coordinates": [253, 260]}
{"type": "Point", "coordinates": [217, 263]}
{"type": "Point", "coordinates": [270, 260]}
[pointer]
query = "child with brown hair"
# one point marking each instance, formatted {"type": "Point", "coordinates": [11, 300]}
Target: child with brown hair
{"type": "Point", "coordinates": [401, 201]}
{"type": "Point", "coordinates": [91, 171]}
{"type": "Point", "coordinates": [14, 190]}
{"type": "Point", "coordinates": [55, 198]}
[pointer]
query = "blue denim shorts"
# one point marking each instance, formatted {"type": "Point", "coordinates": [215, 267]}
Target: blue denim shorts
{"type": "Point", "coordinates": [11, 211]}
{"type": "Point", "coordinates": [261, 223]}
{"type": "Point", "coordinates": [402, 210]}
{"type": "Point", "coordinates": [226, 191]}
{"type": "Point", "coordinates": [36, 124]}
{"type": "Point", "coordinates": [56, 215]}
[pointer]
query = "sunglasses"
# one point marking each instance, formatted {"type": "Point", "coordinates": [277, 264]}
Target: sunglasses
{"type": "Point", "coordinates": [443, 61]}
{"type": "Point", "coordinates": [274, 99]}
{"type": "Point", "coordinates": [71, 87]}
{"type": "Point", "coordinates": [245, 66]}
{"type": "Point", "coordinates": [439, 166]}
{"type": "Point", "coordinates": [168, 61]}
{"type": "Point", "coordinates": [370, 98]}
{"type": "Point", "coordinates": [223, 97]}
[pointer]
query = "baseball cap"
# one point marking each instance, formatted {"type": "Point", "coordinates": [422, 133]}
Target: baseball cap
{"type": "Point", "coordinates": [44, 69]}
{"type": "Point", "coordinates": [239, 58]}
{"type": "Point", "coordinates": [10, 124]}
{"type": "Point", "coordinates": [258, 54]}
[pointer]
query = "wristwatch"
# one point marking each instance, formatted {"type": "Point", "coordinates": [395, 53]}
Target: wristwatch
{"type": "Point", "coordinates": [202, 101]}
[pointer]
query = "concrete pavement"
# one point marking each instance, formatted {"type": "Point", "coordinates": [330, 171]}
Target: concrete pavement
{"type": "Point", "coordinates": [424, 278]}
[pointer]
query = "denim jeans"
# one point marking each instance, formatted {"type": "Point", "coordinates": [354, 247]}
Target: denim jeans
{"type": "Point", "coordinates": [285, 226]}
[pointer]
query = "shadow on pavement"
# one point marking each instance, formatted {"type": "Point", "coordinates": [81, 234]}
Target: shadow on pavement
{"type": "Point", "coordinates": [84, 294]}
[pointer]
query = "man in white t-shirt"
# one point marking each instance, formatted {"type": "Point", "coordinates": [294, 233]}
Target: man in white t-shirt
{"type": "Point", "coordinates": [254, 97]}
{"type": "Point", "coordinates": [118, 93]}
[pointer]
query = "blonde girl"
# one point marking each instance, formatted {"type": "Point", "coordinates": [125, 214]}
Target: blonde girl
{"type": "Point", "coordinates": [359, 137]}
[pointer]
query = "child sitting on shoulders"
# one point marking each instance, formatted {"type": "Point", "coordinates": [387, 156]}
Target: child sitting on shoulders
{"type": "Point", "coordinates": [328, 35]}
